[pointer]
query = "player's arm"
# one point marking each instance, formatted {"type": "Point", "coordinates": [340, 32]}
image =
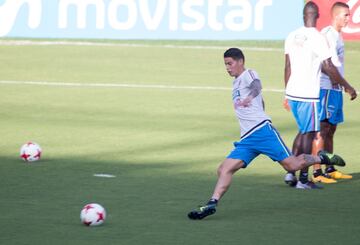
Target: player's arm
{"type": "Point", "coordinates": [287, 70]}
{"type": "Point", "coordinates": [329, 69]}
{"type": "Point", "coordinates": [287, 73]}
{"type": "Point", "coordinates": [255, 90]}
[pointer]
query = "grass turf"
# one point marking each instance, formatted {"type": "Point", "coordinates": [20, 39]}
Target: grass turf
{"type": "Point", "coordinates": [163, 145]}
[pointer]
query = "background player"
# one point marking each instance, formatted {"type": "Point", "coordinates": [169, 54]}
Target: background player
{"type": "Point", "coordinates": [258, 136]}
{"type": "Point", "coordinates": [331, 97]}
{"type": "Point", "coordinates": [306, 52]}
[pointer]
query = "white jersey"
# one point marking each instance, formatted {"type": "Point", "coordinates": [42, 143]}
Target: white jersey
{"type": "Point", "coordinates": [249, 116]}
{"type": "Point", "coordinates": [336, 44]}
{"type": "Point", "coordinates": [307, 49]}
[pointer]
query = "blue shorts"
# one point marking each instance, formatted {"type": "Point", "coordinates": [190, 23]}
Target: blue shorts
{"type": "Point", "coordinates": [307, 115]}
{"type": "Point", "coordinates": [331, 109]}
{"type": "Point", "coordinates": [265, 140]}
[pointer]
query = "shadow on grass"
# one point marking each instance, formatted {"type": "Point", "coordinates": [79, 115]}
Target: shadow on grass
{"type": "Point", "coordinates": [147, 203]}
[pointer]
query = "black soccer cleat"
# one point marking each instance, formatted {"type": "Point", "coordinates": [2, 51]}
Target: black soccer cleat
{"type": "Point", "coordinates": [331, 159]}
{"type": "Point", "coordinates": [202, 212]}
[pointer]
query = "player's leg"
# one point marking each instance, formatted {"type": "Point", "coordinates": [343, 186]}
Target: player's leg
{"type": "Point", "coordinates": [274, 147]}
{"type": "Point", "coordinates": [306, 148]}
{"type": "Point", "coordinates": [225, 172]}
{"type": "Point", "coordinates": [303, 161]}
{"type": "Point", "coordinates": [331, 116]}
{"type": "Point", "coordinates": [240, 157]}
{"type": "Point", "coordinates": [294, 163]}
{"type": "Point", "coordinates": [290, 177]}
{"type": "Point", "coordinates": [306, 115]}
{"type": "Point", "coordinates": [318, 145]}
{"type": "Point", "coordinates": [326, 110]}
{"type": "Point", "coordinates": [330, 170]}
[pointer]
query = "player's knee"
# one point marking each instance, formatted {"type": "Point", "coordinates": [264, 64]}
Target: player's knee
{"type": "Point", "coordinates": [293, 163]}
{"type": "Point", "coordinates": [290, 167]}
{"type": "Point", "coordinates": [229, 167]}
{"type": "Point", "coordinates": [220, 170]}
{"type": "Point", "coordinates": [325, 130]}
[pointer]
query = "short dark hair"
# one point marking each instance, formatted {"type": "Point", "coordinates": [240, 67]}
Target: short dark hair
{"type": "Point", "coordinates": [339, 4]}
{"type": "Point", "coordinates": [311, 6]}
{"type": "Point", "coordinates": [234, 53]}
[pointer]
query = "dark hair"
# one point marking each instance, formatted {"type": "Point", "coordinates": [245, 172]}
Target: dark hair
{"type": "Point", "coordinates": [234, 53]}
{"type": "Point", "coordinates": [311, 6]}
{"type": "Point", "coordinates": [339, 4]}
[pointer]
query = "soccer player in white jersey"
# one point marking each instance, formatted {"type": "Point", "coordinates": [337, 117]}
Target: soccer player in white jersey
{"type": "Point", "coordinates": [331, 97]}
{"type": "Point", "coordinates": [306, 53]}
{"type": "Point", "coordinates": [257, 135]}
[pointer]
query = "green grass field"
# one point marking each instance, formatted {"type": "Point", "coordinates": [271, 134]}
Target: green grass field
{"type": "Point", "coordinates": [163, 144]}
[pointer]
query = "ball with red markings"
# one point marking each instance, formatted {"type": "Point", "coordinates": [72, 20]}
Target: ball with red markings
{"type": "Point", "coordinates": [92, 214]}
{"type": "Point", "coordinates": [30, 152]}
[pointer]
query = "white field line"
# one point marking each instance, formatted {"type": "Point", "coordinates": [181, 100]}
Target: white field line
{"type": "Point", "coordinates": [126, 85]}
{"type": "Point", "coordinates": [105, 44]}
{"type": "Point", "coordinates": [131, 45]}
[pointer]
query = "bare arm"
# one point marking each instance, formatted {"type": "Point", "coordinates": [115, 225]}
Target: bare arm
{"type": "Point", "coordinates": [287, 73]}
{"type": "Point", "coordinates": [255, 90]}
{"type": "Point", "coordinates": [287, 70]}
{"type": "Point", "coordinates": [329, 69]}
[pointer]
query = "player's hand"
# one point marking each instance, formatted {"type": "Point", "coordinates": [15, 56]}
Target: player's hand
{"type": "Point", "coordinates": [243, 103]}
{"type": "Point", "coordinates": [286, 105]}
{"type": "Point", "coordinates": [246, 102]}
{"type": "Point", "coordinates": [352, 92]}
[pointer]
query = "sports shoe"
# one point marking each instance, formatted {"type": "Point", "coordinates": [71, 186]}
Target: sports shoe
{"type": "Point", "coordinates": [323, 179]}
{"type": "Point", "coordinates": [202, 212]}
{"type": "Point", "coordinates": [308, 185]}
{"type": "Point", "coordinates": [338, 175]}
{"type": "Point", "coordinates": [290, 179]}
{"type": "Point", "coordinates": [332, 159]}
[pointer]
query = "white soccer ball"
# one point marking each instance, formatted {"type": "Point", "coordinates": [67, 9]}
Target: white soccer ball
{"type": "Point", "coordinates": [92, 214]}
{"type": "Point", "coordinates": [30, 152]}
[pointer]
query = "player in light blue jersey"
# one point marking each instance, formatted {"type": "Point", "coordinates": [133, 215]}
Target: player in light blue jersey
{"type": "Point", "coordinates": [257, 134]}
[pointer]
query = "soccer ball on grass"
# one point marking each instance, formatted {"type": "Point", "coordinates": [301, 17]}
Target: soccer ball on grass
{"type": "Point", "coordinates": [30, 152]}
{"type": "Point", "coordinates": [92, 214]}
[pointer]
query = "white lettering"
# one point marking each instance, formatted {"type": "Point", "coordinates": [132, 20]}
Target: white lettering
{"type": "Point", "coordinates": [152, 15]}
{"type": "Point", "coordinates": [173, 15]}
{"type": "Point", "coordinates": [9, 11]}
{"type": "Point", "coordinates": [152, 23]}
{"type": "Point", "coordinates": [212, 15]}
{"type": "Point", "coordinates": [259, 14]}
{"type": "Point", "coordinates": [197, 16]}
{"type": "Point", "coordinates": [243, 12]}
{"type": "Point", "coordinates": [81, 7]}
{"type": "Point", "coordinates": [113, 14]}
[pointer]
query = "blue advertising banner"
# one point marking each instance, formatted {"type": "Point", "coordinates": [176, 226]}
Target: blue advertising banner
{"type": "Point", "coordinates": [150, 19]}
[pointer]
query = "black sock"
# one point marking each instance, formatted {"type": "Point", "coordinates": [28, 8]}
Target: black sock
{"type": "Point", "coordinates": [303, 177]}
{"type": "Point", "coordinates": [212, 201]}
{"type": "Point", "coordinates": [330, 169]}
{"type": "Point", "coordinates": [317, 172]}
